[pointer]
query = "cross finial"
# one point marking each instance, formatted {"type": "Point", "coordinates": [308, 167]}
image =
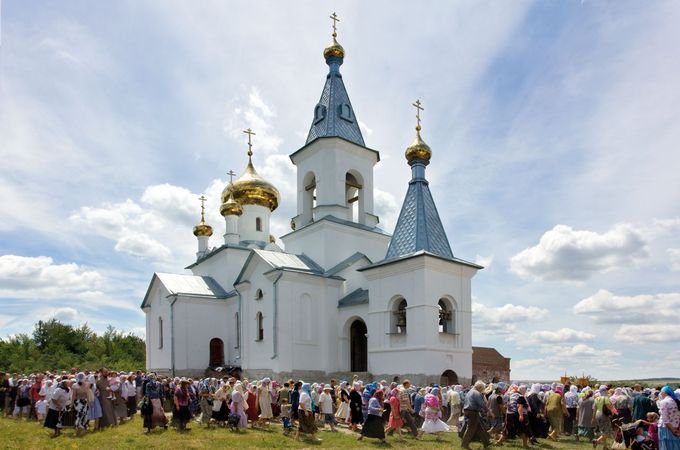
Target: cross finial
{"type": "Point", "coordinates": [231, 174]}
{"type": "Point", "coordinates": [250, 134]}
{"type": "Point", "coordinates": [419, 108]}
{"type": "Point", "coordinates": [202, 199]}
{"type": "Point", "coordinates": [334, 18]}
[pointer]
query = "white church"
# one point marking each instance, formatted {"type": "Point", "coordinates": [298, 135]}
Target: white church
{"type": "Point", "coordinates": [342, 296]}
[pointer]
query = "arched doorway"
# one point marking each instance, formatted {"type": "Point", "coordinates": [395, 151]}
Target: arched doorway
{"type": "Point", "coordinates": [358, 344]}
{"type": "Point", "coordinates": [448, 378]}
{"type": "Point", "coordinates": [216, 352]}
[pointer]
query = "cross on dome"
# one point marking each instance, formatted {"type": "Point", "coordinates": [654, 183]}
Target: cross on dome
{"type": "Point", "coordinates": [231, 174]}
{"type": "Point", "coordinates": [250, 134]}
{"type": "Point", "coordinates": [334, 18]}
{"type": "Point", "coordinates": [419, 108]}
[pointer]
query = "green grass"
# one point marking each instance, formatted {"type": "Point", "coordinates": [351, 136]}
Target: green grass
{"type": "Point", "coordinates": [20, 434]}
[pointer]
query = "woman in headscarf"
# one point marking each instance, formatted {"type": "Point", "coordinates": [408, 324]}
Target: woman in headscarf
{"type": "Point", "coordinates": [94, 412]}
{"type": "Point", "coordinates": [81, 396]}
{"type": "Point", "coordinates": [669, 420]}
{"type": "Point", "coordinates": [58, 403]}
{"type": "Point", "coordinates": [154, 394]}
{"type": "Point", "coordinates": [418, 402]}
{"type": "Point", "coordinates": [238, 405]}
{"type": "Point", "coordinates": [455, 406]}
{"type": "Point", "coordinates": [205, 397]}
{"type": "Point", "coordinates": [395, 422]}
{"type": "Point", "coordinates": [535, 413]}
{"type": "Point", "coordinates": [584, 414]}
{"type": "Point", "coordinates": [264, 399]}
{"type": "Point", "coordinates": [556, 409]}
{"type": "Point", "coordinates": [342, 414]}
{"type": "Point", "coordinates": [355, 406]}
{"type": "Point", "coordinates": [621, 401]}
{"type": "Point", "coordinates": [295, 402]}
{"type": "Point", "coordinates": [571, 400]}
{"type": "Point", "coordinates": [433, 424]}
{"type": "Point", "coordinates": [603, 412]}
{"type": "Point", "coordinates": [220, 407]}
{"type": "Point", "coordinates": [306, 412]}
{"type": "Point", "coordinates": [251, 399]}
{"type": "Point", "coordinates": [105, 400]}
{"type": "Point", "coordinates": [182, 415]}
{"type": "Point", "coordinates": [373, 427]}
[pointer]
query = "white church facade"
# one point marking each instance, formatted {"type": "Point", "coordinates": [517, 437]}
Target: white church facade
{"type": "Point", "coordinates": [342, 296]}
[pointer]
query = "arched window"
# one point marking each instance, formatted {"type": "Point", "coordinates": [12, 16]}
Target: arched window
{"type": "Point", "coordinates": [258, 224]}
{"type": "Point", "coordinates": [259, 294]}
{"type": "Point", "coordinates": [160, 332]}
{"type": "Point", "coordinates": [259, 326]}
{"type": "Point", "coordinates": [446, 316]}
{"type": "Point", "coordinates": [354, 196]}
{"type": "Point", "coordinates": [399, 317]}
{"type": "Point", "coordinates": [319, 113]}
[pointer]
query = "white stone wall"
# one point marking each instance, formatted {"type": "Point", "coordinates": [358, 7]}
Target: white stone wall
{"type": "Point", "coordinates": [223, 267]}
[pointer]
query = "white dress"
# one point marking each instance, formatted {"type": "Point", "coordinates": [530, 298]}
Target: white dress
{"type": "Point", "coordinates": [432, 423]}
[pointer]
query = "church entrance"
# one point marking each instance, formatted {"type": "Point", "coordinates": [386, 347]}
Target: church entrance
{"type": "Point", "coordinates": [448, 378]}
{"type": "Point", "coordinates": [216, 352]}
{"type": "Point", "coordinates": [358, 346]}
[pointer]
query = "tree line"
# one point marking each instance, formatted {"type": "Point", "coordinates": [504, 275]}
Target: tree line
{"type": "Point", "coordinates": [58, 346]}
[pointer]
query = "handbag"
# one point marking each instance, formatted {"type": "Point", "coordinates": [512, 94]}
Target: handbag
{"type": "Point", "coordinates": [618, 445]}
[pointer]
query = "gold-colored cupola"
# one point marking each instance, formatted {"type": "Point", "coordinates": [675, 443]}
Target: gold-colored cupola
{"type": "Point", "coordinates": [203, 229]}
{"type": "Point", "coordinates": [418, 150]}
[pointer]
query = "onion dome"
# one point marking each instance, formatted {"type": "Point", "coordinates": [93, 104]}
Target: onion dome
{"type": "Point", "coordinates": [251, 188]}
{"type": "Point", "coordinates": [203, 229]}
{"type": "Point", "coordinates": [230, 207]}
{"type": "Point", "coordinates": [334, 50]}
{"type": "Point", "coordinates": [418, 150]}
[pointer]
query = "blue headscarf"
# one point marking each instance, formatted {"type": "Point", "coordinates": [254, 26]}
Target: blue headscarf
{"type": "Point", "coordinates": [669, 391]}
{"type": "Point", "coordinates": [307, 389]}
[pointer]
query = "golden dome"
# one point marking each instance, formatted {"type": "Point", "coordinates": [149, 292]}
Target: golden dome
{"type": "Point", "coordinates": [230, 207]}
{"type": "Point", "coordinates": [419, 150]}
{"type": "Point", "coordinates": [203, 229]}
{"type": "Point", "coordinates": [334, 50]}
{"type": "Point", "coordinates": [252, 189]}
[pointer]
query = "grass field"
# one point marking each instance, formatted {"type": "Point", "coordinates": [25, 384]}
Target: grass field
{"type": "Point", "coordinates": [20, 434]}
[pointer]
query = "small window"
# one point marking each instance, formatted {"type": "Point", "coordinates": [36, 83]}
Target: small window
{"type": "Point", "coordinates": [259, 294]}
{"type": "Point", "coordinates": [319, 113]}
{"type": "Point", "coordinates": [260, 327]}
{"type": "Point", "coordinates": [258, 224]}
{"type": "Point", "coordinates": [346, 112]}
{"type": "Point", "coordinates": [160, 332]}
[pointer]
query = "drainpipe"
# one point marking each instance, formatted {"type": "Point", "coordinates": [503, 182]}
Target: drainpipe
{"type": "Point", "coordinates": [238, 338]}
{"type": "Point", "coordinates": [172, 334]}
{"type": "Point", "coordinates": [276, 316]}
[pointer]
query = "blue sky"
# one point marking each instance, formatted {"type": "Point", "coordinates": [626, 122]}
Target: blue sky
{"type": "Point", "coordinates": [554, 128]}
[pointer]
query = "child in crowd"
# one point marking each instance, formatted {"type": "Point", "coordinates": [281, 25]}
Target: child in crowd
{"type": "Point", "coordinates": [285, 418]}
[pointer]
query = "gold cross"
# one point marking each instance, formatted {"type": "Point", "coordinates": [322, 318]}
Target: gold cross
{"type": "Point", "coordinates": [334, 18]}
{"type": "Point", "coordinates": [231, 174]}
{"type": "Point", "coordinates": [250, 134]}
{"type": "Point", "coordinates": [202, 199]}
{"type": "Point", "coordinates": [418, 109]}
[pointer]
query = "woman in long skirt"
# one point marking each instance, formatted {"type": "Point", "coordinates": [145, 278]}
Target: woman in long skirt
{"type": "Point", "coordinates": [154, 393]}
{"type": "Point", "coordinates": [373, 427]}
{"type": "Point", "coordinates": [239, 405]}
{"type": "Point", "coordinates": [108, 415]}
{"type": "Point", "coordinates": [94, 412]}
{"type": "Point", "coordinates": [182, 415]}
{"type": "Point", "coordinates": [251, 399]}
{"type": "Point", "coordinates": [264, 400]}
{"type": "Point", "coordinates": [342, 414]}
{"type": "Point", "coordinates": [355, 406]}
{"type": "Point", "coordinates": [80, 398]}
{"type": "Point", "coordinates": [58, 403]}
{"type": "Point", "coordinates": [395, 421]}
{"type": "Point", "coordinates": [306, 412]}
{"type": "Point", "coordinates": [220, 409]}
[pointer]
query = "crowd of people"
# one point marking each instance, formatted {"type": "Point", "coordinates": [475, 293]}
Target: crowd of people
{"type": "Point", "coordinates": [622, 417]}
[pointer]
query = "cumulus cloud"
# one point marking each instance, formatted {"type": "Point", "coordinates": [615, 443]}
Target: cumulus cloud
{"type": "Point", "coordinates": [386, 208]}
{"type": "Point", "coordinates": [604, 306]}
{"type": "Point", "coordinates": [567, 254]}
{"type": "Point", "coordinates": [64, 314]}
{"type": "Point", "coordinates": [484, 261]}
{"type": "Point", "coordinates": [556, 358]}
{"type": "Point", "coordinates": [250, 110]}
{"type": "Point", "coordinates": [503, 320]}
{"type": "Point", "coordinates": [561, 335]}
{"type": "Point", "coordinates": [27, 276]}
{"type": "Point", "coordinates": [649, 333]}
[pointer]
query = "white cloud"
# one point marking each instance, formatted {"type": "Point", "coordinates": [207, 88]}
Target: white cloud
{"type": "Point", "coordinates": [604, 306]}
{"type": "Point", "coordinates": [567, 254]}
{"type": "Point", "coordinates": [256, 114]}
{"type": "Point", "coordinates": [386, 208]}
{"type": "Point", "coordinates": [63, 314]}
{"type": "Point", "coordinates": [561, 335]}
{"type": "Point", "coordinates": [30, 277]}
{"type": "Point", "coordinates": [364, 128]}
{"type": "Point", "coordinates": [674, 256]}
{"type": "Point", "coordinates": [649, 333]}
{"type": "Point", "coordinates": [503, 320]}
{"type": "Point", "coordinates": [484, 261]}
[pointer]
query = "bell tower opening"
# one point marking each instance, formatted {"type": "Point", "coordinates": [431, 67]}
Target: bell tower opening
{"type": "Point", "coordinates": [354, 196]}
